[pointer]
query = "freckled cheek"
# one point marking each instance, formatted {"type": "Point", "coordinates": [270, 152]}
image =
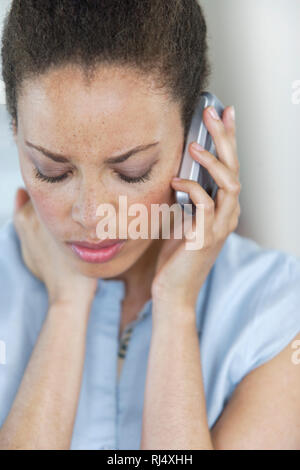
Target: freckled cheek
{"type": "Point", "coordinates": [51, 210]}
{"type": "Point", "coordinates": [160, 194]}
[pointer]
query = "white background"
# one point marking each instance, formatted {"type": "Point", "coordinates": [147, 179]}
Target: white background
{"type": "Point", "coordinates": [255, 53]}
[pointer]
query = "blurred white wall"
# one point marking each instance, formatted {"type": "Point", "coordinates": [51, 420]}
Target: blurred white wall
{"type": "Point", "coordinates": [255, 54]}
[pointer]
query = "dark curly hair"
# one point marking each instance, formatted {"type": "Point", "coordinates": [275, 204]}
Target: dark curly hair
{"type": "Point", "coordinates": [165, 39]}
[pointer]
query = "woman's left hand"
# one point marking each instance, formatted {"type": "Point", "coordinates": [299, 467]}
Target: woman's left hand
{"type": "Point", "coordinates": [180, 273]}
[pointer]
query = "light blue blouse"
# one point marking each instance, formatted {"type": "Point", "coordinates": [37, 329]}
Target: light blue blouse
{"type": "Point", "coordinates": [248, 310]}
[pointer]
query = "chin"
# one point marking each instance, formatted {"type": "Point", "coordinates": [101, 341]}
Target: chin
{"type": "Point", "coordinates": [105, 270]}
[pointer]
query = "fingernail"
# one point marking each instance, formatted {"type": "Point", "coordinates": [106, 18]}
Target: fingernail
{"type": "Point", "coordinates": [212, 111]}
{"type": "Point", "coordinates": [176, 179]}
{"type": "Point", "coordinates": [198, 147]}
{"type": "Point", "coordinates": [232, 110]}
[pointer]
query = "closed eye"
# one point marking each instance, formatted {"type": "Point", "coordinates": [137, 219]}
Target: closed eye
{"type": "Point", "coordinates": [136, 179]}
{"type": "Point", "coordinates": [127, 179]}
{"type": "Point", "coordinates": [50, 179]}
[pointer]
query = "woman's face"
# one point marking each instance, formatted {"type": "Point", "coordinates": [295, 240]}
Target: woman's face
{"type": "Point", "coordinates": [87, 124]}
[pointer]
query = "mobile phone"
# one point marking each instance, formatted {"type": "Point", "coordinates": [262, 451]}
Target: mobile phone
{"type": "Point", "coordinates": [189, 168]}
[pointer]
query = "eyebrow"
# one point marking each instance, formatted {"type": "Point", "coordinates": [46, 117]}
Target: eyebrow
{"type": "Point", "coordinates": [118, 159]}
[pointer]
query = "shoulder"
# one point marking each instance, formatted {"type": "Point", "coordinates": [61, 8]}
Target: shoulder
{"type": "Point", "coordinates": [252, 305]}
{"type": "Point", "coordinates": [243, 255]}
{"type": "Point", "coordinates": [256, 323]}
{"type": "Point", "coordinates": [244, 267]}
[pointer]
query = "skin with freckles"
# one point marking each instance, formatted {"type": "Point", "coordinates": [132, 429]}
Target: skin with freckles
{"type": "Point", "coordinates": [89, 122]}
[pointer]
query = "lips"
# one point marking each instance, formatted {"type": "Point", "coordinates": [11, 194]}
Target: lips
{"type": "Point", "coordinates": [99, 253]}
{"type": "Point", "coordinates": [97, 246]}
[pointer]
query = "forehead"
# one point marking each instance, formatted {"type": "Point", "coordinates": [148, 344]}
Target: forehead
{"type": "Point", "coordinates": [64, 106]}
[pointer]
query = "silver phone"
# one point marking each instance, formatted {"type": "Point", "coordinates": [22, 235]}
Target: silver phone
{"type": "Point", "coordinates": [190, 169]}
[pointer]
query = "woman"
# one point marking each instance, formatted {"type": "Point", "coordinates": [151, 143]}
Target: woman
{"type": "Point", "coordinates": [209, 363]}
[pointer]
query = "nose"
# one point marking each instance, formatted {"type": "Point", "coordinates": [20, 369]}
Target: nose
{"type": "Point", "coordinates": [84, 210]}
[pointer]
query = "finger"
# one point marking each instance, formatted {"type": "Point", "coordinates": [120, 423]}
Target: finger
{"type": "Point", "coordinates": [223, 143]}
{"type": "Point", "coordinates": [225, 178]}
{"type": "Point", "coordinates": [234, 222]}
{"type": "Point", "coordinates": [21, 198]}
{"type": "Point", "coordinates": [16, 202]}
{"type": "Point", "coordinates": [229, 122]}
{"type": "Point", "coordinates": [198, 196]}
{"type": "Point", "coordinates": [227, 207]}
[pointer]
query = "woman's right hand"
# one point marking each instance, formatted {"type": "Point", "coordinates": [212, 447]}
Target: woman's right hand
{"type": "Point", "coordinates": [44, 259]}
